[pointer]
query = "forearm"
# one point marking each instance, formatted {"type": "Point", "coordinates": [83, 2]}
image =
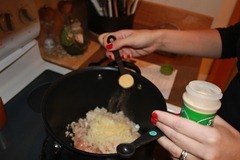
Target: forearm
{"type": "Point", "coordinates": [204, 43]}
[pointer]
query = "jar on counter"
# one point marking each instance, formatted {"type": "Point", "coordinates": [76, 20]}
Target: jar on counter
{"type": "Point", "coordinates": [46, 15]}
{"type": "Point", "coordinates": [72, 36]}
{"type": "Point", "coordinates": [201, 102]}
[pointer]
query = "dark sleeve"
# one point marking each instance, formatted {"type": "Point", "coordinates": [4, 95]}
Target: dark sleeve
{"type": "Point", "coordinates": [229, 36]}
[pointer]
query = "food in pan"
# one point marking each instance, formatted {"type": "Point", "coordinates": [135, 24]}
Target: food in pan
{"type": "Point", "coordinates": [101, 131]}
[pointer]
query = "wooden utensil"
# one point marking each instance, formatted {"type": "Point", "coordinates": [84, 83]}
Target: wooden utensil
{"type": "Point", "coordinates": [129, 6]}
{"type": "Point", "coordinates": [115, 8]}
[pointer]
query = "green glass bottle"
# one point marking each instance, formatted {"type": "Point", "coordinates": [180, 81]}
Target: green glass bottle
{"type": "Point", "coordinates": [72, 37]}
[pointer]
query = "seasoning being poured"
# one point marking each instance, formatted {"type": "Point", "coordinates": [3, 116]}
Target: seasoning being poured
{"type": "Point", "coordinates": [125, 80]}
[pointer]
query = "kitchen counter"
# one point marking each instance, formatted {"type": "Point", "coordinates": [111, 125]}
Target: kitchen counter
{"type": "Point", "coordinates": [187, 71]}
{"type": "Point", "coordinates": [62, 58]}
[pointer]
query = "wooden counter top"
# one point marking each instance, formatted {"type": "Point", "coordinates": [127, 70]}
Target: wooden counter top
{"type": "Point", "coordinates": [60, 57]}
{"type": "Point", "coordinates": [186, 72]}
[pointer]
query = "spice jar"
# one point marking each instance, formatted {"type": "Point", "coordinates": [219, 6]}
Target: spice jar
{"type": "Point", "coordinates": [201, 102]}
{"type": "Point", "coordinates": [72, 36]}
{"type": "Point", "coordinates": [46, 15]}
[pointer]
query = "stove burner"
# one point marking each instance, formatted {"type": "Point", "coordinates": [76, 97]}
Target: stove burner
{"type": "Point", "coordinates": [36, 96]}
{"type": "Point", "coordinates": [24, 126]}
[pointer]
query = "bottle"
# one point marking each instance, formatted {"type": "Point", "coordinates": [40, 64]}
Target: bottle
{"type": "Point", "coordinates": [46, 15]}
{"type": "Point", "coordinates": [201, 102]}
{"type": "Point", "coordinates": [72, 37]}
{"type": "Point", "coordinates": [3, 119]}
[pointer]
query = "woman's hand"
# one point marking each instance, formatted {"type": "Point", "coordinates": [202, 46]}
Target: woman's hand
{"type": "Point", "coordinates": [219, 142]}
{"type": "Point", "coordinates": [130, 43]}
{"type": "Point", "coordinates": [134, 43]}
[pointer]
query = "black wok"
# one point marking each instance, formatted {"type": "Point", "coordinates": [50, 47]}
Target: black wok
{"type": "Point", "coordinates": [73, 95]}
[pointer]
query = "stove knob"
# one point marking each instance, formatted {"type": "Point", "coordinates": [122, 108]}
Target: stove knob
{"type": "Point", "coordinates": [6, 22]}
{"type": "Point", "coordinates": [25, 15]}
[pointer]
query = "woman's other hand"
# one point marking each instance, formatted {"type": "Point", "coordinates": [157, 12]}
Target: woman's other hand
{"type": "Point", "coordinates": [219, 142]}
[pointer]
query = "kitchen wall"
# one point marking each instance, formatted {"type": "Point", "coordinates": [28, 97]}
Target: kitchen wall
{"type": "Point", "coordinates": [51, 3]}
{"type": "Point", "coordinates": [208, 7]}
{"type": "Point", "coordinates": [221, 10]}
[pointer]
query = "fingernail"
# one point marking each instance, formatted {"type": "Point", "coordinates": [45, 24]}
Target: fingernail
{"type": "Point", "coordinates": [109, 46]}
{"type": "Point", "coordinates": [154, 121]}
{"type": "Point", "coordinates": [123, 56]}
{"type": "Point", "coordinates": [129, 56]}
{"type": "Point", "coordinates": [154, 115]}
{"type": "Point", "coordinates": [109, 55]}
{"type": "Point", "coordinates": [177, 114]}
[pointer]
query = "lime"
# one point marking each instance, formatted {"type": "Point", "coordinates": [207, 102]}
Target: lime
{"type": "Point", "coordinates": [166, 69]}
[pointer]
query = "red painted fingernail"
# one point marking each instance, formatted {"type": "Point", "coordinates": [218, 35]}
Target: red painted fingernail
{"type": "Point", "coordinates": [177, 114]}
{"type": "Point", "coordinates": [124, 56]}
{"type": "Point", "coordinates": [154, 115]}
{"type": "Point", "coordinates": [154, 121]}
{"type": "Point", "coordinates": [109, 46]}
{"type": "Point", "coordinates": [110, 56]}
{"type": "Point", "coordinates": [129, 56]}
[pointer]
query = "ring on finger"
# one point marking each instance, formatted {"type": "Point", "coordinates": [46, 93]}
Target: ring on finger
{"type": "Point", "coordinates": [183, 155]}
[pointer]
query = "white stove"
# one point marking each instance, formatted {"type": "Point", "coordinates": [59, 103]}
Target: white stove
{"type": "Point", "coordinates": [24, 69]}
{"type": "Point", "coordinates": [20, 60]}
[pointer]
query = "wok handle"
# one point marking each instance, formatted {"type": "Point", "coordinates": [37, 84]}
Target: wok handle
{"type": "Point", "coordinates": [128, 65]}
